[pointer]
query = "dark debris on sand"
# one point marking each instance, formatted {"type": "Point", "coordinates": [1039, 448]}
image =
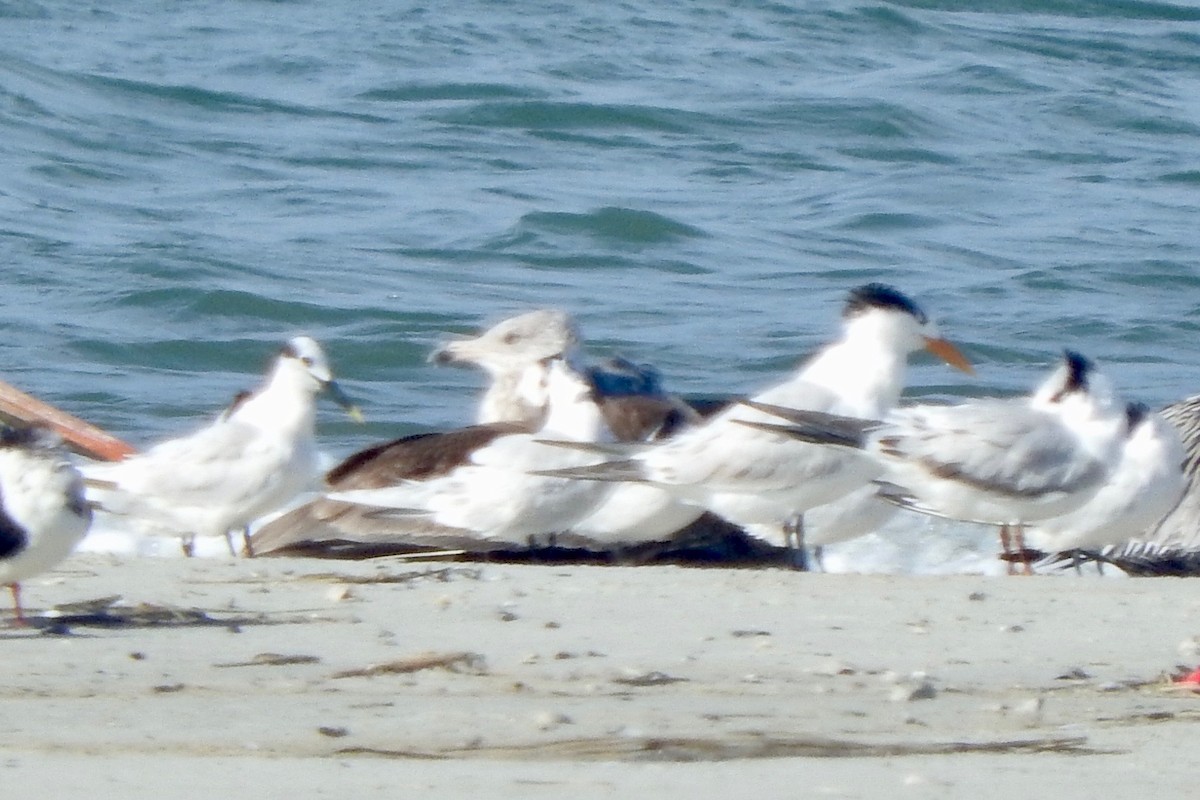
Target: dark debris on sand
{"type": "Point", "coordinates": [709, 541]}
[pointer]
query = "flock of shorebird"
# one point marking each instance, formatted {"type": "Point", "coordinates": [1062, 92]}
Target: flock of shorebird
{"type": "Point", "coordinates": [602, 457]}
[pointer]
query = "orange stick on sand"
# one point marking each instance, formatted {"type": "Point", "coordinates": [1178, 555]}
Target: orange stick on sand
{"type": "Point", "coordinates": [19, 408]}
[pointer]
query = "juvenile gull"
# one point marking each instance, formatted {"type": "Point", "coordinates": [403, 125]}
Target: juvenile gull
{"type": "Point", "coordinates": [505, 352]}
{"type": "Point", "coordinates": [764, 481]}
{"type": "Point", "coordinates": [634, 404]}
{"type": "Point", "coordinates": [251, 460]}
{"type": "Point", "coordinates": [43, 514]}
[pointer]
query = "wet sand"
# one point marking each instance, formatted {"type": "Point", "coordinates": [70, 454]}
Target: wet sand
{"type": "Point", "coordinates": [372, 679]}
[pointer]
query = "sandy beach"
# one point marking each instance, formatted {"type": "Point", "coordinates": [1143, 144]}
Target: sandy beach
{"type": "Point", "coordinates": [370, 679]}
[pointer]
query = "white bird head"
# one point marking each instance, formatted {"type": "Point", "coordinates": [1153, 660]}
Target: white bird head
{"type": "Point", "coordinates": [886, 315]}
{"type": "Point", "coordinates": [1075, 384]}
{"type": "Point", "coordinates": [1137, 417]}
{"type": "Point", "coordinates": [302, 363]}
{"type": "Point", "coordinates": [1084, 400]}
{"type": "Point", "coordinates": [513, 344]}
{"type": "Point", "coordinates": [1148, 432]}
{"type": "Point", "coordinates": [304, 353]}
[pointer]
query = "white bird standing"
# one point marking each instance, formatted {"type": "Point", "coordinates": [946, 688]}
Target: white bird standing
{"type": "Point", "coordinates": [491, 494]}
{"type": "Point", "coordinates": [1146, 483]}
{"type": "Point", "coordinates": [253, 459]}
{"type": "Point", "coordinates": [1001, 462]}
{"type": "Point", "coordinates": [43, 514]}
{"type": "Point", "coordinates": [763, 481]}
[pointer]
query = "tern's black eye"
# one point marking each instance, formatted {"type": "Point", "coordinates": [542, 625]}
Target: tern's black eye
{"type": "Point", "coordinates": [308, 361]}
{"type": "Point", "coordinates": [512, 337]}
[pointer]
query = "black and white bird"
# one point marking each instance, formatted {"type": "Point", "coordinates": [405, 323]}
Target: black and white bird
{"type": "Point", "coordinates": [1002, 462]}
{"type": "Point", "coordinates": [764, 481]}
{"type": "Point", "coordinates": [43, 513]}
{"type": "Point", "coordinates": [253, 459]}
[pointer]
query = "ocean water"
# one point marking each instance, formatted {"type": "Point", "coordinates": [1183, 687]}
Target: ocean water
{"type": "Point", "coordinates": [186, 185]}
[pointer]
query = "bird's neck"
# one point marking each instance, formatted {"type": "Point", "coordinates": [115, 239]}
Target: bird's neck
{"type": "Point", "coordinates": [505, 401]}
{"type": "Point", "coordinates": [1101, 427]}
{"type": "Point", "coordinates": [867, 375]}
{"type": "Point", "coordinates": [283, 404]}
{"type": "Point", "coordinates": [577, 421]}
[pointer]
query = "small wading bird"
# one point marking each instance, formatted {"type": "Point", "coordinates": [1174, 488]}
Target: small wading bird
{"type": "Point", "coordinates": [998, 462]}
{"type": "Point", "coordinates": [254, 458]}
{"type": "Point", "coordinates": [43, 514]}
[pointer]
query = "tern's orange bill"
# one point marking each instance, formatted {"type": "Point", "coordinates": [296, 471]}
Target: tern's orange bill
{"type": "Point", "coordinates": [947, 352]}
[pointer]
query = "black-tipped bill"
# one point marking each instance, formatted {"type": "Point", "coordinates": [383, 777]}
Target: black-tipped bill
{"type": "Point", "coordinates": [342, 399]}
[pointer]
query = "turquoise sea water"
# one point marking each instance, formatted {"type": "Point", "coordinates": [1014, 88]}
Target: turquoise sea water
{"type": "Point", "coordinates": [186, 185]}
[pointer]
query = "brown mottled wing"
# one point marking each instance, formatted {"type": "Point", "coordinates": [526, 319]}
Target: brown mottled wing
{"type": "Point", "coordinates": [416, 457]}
{"type": "Point", "coordinates": [323, 527]}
